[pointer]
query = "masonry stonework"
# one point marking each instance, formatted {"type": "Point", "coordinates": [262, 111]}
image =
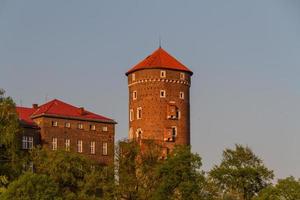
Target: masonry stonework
{"type": "Point", "coordinates": [162, 93]}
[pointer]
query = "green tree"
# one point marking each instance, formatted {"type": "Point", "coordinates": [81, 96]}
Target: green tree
{"type": "Point", "coordinates": [285, 189]}
{"type": "Point", "coordinates": [10, 164]}
{"type": "Point", "coordinates": [76, 175]}
{"type": "Point", "coordinates": [180, 177]}
{"type": "Point", "coordinates": [241, 174]}
{"type": "Point", "coordinates": [31, 186]}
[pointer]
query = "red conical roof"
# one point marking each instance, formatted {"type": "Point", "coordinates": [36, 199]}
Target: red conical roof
{"type": "Point", "coordinates": [160, 59]}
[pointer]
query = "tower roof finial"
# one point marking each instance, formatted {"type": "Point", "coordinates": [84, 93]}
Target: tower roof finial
{"type": "Point", "coordinates": [159, 41]}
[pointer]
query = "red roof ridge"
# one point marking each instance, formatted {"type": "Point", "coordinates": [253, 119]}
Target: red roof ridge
{"type": "Point", "coordinates": [160, 59]}
{"type": "Point", "coordinates": [59, 108]}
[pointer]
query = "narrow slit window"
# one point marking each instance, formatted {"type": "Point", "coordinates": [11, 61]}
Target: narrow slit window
{"type": "Point", "coordinates": [181, 95]}
{"type": "Point", "coordinates": [139, 113]}
{"type": "Point", "coordinates": [134, 95]}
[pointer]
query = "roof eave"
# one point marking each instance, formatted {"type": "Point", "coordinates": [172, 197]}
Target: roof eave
{"type": "Point", "coordinates": [134, 70]}
{"type": "Point", "coordinates": [110, 121]}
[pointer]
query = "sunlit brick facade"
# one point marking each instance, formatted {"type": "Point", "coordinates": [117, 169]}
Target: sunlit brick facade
{"type": "Point", "coordinates": [60, 126]}
{"type": "Point", "coordinates": [159, 101]}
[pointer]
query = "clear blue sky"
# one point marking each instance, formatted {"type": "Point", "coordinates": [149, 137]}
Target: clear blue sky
{"type": "Point", "coordinates": [245, 56]}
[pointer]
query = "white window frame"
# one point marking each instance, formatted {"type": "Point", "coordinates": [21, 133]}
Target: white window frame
{"type": "Point", "coordinates": [68, 125]}
{"type": "Point", "coordinates": [67, 144]}
{"type": "Point", "coordinates": [134, 95]}
{"type": "Point", "coordinates": [27, 142]}
{"type": "Point", "coordinates": [162, 93]}
{"type": "Point", "coordinates": [93, 147]}
{"type": "Point", "coordinates": [181, 95]}
{"type": "Point", "coordinates": [163, 74]}
{"type": "Point", "coordinates": [104, 149]}
{"type": "Point", "coordinates": [54, 123]}
{"type": "Point", "coordinates": [79, 146]}
{"type": "Point", "coordinates": [104, 128]}
{"type": "Point", "coordinates": [133, 77]}
{"type": "Point", "coordinates": [139, 113]}
{"type": "Point", "coordinates": [54, 143]}
{"type": "Point", "coordinates": [182, 76]}
{"type": "Point", "coordinates": [131, 115]}
{"type": "Point", "coordinates": [80, 126]}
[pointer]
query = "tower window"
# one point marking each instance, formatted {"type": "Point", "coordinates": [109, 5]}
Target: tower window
{"type": "Point", "coordinates": [139, 133]}
{"type": "Point", "coordinates": [174, 132]}
{"type": "Point", "coordinates": [182, 76]}
{"type": "Point", "coordinates": [134, 95]}
{"type": "Point", "coordinates": [163, 74]}
{"type": "Point", "coordinates": [162, 94]}
{"type": "Point", "coordinates": [181, 95]}
{"type": "Point", "coordinates": [133, 77]}
{"type": "Point", "coordinates": [173, 112]}
{"type": "Point", "coordinates": [139, 113]}
{"type": "Point", "coordinates": [170, 134]}
{"type": "Point", "coordinates": [131, 115]}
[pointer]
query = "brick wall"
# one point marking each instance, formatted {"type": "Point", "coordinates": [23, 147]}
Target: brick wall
{"type": "Point", "coordinates": [155, 123]}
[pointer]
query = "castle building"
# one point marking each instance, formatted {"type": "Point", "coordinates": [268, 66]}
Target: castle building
{"type": "Point", "coordinates": [159, 101]}
{"type": "Point", "coordinates": [58, 125]}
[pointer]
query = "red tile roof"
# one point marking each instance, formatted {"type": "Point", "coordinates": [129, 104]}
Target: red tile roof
{"type": "Point", "coordinates": [24, 115]}
{"type": "Point", "coordinates": [57, 108]}
{"type": "Point", "coordinates": [160, 59]}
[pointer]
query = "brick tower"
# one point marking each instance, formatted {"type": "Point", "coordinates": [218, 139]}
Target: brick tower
{"type": "Point", "coordinates": [159, 101]}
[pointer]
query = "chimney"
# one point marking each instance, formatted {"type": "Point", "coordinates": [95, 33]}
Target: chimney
{"type": "Point", "coordinates": [35, 105]}
{"type": "Point", "coordinates": [81, 110]}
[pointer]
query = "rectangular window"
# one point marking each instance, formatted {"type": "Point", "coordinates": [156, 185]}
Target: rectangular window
{"type": "Point", "coordinates": [181, 95]}
{"type": "Point", "coordinates": [68, 125]}
{"type": "Point", "coordinates": [79, 146]}
{"type": "Point", "coordinates": [181, 76]}
{"type": "Point", "coordinates": [104, 128]}
{"type": "Point", "coordinates": [133, 77]}
{"type": "Point", "coordinates": [163, 74]}
{"type": "Point", "coordinates": [54, 123]}
{"type": "Point", "coordinates": [174, 132]}
{"type": "Point", "coordinates": [92, 147]}
{"type": "Point", "coordinates": [168, 135]}
{"type": "Point", "coordinates": [80, 126]}
{"type": "Point", "coordinates": [104, 148]}
{"type": "Point", "coordinates": [173, 112]}
{"type": "Point", "coordinates": [92, 127]}
{"type": "Point", "coordinates": [139, 113]}
{"type": "Point", "coordinates": [27, 142]}
{"type": "Point", "coordinates": [134, 95]}
{"type": "Point", "coordinates": [67, 144]}
{"type": "Point", "coordinates": [54, 143]}
{"type": "Point", "coordinates": [162, 94]}
{"type": "Point", "coordinates": [131, 115]}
